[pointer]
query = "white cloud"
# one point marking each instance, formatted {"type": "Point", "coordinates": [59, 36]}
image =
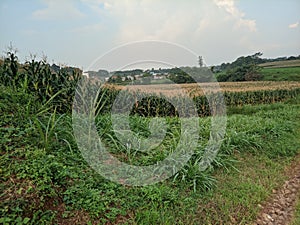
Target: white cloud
{"type": "Point", "coordinates": [230, 7]}
{"type": "Point", "coordinates": [294, 25]}
{"type": "Point", "coordinates": [165, 20]}
{"type": "Point", "coordinates": [58, 10]}
{"type": "Point", "coordinates": [250, 24]}
{"type": "Point", "coordinates": [204, 26]}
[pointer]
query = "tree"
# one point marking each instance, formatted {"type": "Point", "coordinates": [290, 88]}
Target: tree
{"type": "Point", "coordinates": [253, 73]}
{"type": "Point", "coordinates": [241, 73]}
{"type": "Point", "coordinates": [200, 61]}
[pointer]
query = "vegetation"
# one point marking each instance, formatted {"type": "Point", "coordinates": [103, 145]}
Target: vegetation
{"type": "Point", "coordinates": [45, 179]}
{"type": "Point", "coordinates": [251, 68]}
{"type": "Point", "coordinates": [180, 75]}
{"type": "Point", "coordinates": [244, 68]}
{"type": "Point", "coordinates": [158, 105]}
{"type": "Point", "coordinates": [173, 90]}
{"type": "Point", "coordinates": [281, 63]}
{"type": "Point", "coordinates": [296, 219]}
{"type": "Point", "coordinates": [40, 79]}
{"type": "Point", "coordinates": [281, 74]}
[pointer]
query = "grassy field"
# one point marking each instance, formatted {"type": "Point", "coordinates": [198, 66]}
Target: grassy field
{"type": "Point", "coordinates": [45, 179]}
{"type": "Point", "coordinates": [296, 219]}
{"type": "Point", "coordinates": [281, 74]}
{"type": "Point", "coordinates": [288, 70]}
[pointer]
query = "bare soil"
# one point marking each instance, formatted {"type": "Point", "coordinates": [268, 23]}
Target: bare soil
{"type": "Point", "coordinates": [280, 208]}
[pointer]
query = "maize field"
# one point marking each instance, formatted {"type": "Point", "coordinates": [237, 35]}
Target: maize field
{"type": "Point", "coordinates": [155, 100]}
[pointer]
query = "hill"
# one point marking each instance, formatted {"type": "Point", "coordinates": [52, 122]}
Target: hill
{"type": "Point", "coordinates": [285, 70]}
{"type": "Point", "coordinates": [253, 67]}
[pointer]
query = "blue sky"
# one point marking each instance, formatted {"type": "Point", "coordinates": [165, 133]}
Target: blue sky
{"type": "Point", "coordinates": [76, 32]}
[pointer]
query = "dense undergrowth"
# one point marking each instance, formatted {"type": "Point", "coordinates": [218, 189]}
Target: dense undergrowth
{"type": "Point", "coordinates": [44, 178]}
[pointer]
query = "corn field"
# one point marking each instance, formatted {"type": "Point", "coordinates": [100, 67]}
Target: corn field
{"type": "Point", "coordinates": [37, 78]}
{"type": "Point", "coordinates": [194, 89]}
{"type": "Point", "coordinates": [159, 105]}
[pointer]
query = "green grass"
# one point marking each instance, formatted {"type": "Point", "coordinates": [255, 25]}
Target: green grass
{"type": "Point", "coordinates": [45, 180]}
{"type": "Point", "coordinates": [296, 219]}
{"type": "Point", "coordinates": [239, 193]}
{"type": "Point", "coordinates": [281, 74]}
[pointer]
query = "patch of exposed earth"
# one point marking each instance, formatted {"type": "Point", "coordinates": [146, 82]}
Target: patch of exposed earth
{"type": "Point", "coordinates": [280, 208]}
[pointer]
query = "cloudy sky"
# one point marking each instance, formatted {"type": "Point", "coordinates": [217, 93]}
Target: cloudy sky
{"type": "Point", "coordinates": [76, 32]}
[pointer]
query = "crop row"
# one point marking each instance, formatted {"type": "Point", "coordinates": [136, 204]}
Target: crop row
{"type": "Point", "coordinates": [144, 104]}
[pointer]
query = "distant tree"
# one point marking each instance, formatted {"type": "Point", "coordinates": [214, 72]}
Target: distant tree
{"type": "Point", "coordinates": [243, 60]}
{"type": "Point", "coordinates": [236, 74]}
{"type": "Point", "coordinates": [291, 58]}
{"type": "Point", "coordinates": [241, 73]}
{"type": "Point", "coordinates": [222, 77]}
{"type": "Point", "coordinates": [146, 74]}
{"type": "Point", "coordinates": [200, 61]}
{"type": "Point", "coordinates": [253, 73]}
{"type": "Point", "coordinates": [242, 69]}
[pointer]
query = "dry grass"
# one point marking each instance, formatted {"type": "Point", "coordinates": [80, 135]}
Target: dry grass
{"type": "Point", "coordinates": [198, 89]}
{"type": "Point", "coordinates": [281, 64]}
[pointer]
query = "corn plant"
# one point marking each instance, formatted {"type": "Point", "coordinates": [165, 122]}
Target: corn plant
{"type": "Point", "coordinates": [47, 128]}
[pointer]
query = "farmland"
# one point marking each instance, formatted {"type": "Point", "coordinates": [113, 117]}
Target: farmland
{"type": "Point", "coordinates": [281, 74]}
{"type": "Point", "coordinates": [45, 178]}
{"type": "Point", "coordinates": [197, 89]}
{"type": "Point", "coordinates": [281, 64]}
{"type": "Point", "coordinates": [287, 70]}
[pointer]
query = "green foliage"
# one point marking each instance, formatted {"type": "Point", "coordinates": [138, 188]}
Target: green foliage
{"type": "Point", "coordinates": [61, 173]}
{"type": "Point", "coordinates": [47, 129]}
{"type": "Point", "coordinates": [9, 68]}
{"type": "Point", "coordinates": [190, 75]}
{"type": "Point", "coordinates": [38, 78]}
{"type": "Point", "coordinates": [159, 106]}
{"type": "Point", "coordinates": [246, 72]}
{"type": "Point", "coordinates": [242, 61]}
{"type": "Point", "coordinates": [242, 69]}
{"type": "Point", "coordinates": [296, 219]}
{"type": "Point", "coordinates": [281, 74]}
{"type": "Point", "coordinates": [45, 179]}
{"type": "Point", "coordinates": [255, 68]}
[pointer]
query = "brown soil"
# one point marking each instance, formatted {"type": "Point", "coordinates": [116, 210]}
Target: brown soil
{"type": "Point", "coordinates": [279, 209]}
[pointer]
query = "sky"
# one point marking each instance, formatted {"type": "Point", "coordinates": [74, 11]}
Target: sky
{"type": "Point", "coordinates": [76, 32]}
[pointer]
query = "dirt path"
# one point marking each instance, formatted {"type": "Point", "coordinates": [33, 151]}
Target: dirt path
{"type": "Point", "coordinates": [280, 208]}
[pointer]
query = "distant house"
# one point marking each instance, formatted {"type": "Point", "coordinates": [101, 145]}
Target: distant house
{"type": "Point", "coordinates": [114, 77]}
{"type": "Point", "coordinates": [130, 77]}
{"type": "Point", "coordinates": [86, 74]}
{"type": "Point", "coordinates": [138, 77]}
{"type": "Point", "coordinates": [153, 73]}
{"type": "Point", "coordinates": [158, 76]}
